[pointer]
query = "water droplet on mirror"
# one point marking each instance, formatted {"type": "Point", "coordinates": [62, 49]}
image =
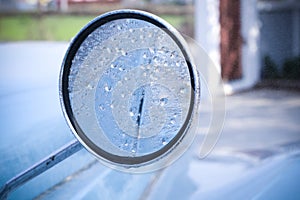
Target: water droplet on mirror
{"type": "Point", "coordinates": [90, 87]}
{"type": "Point", "coordinates": [164, 49]}
{"type": "Point", "coordinates": [155, 59]}
{"type": "Point", "coordinates": [173, 54]}
{"type": "Point", "coordinates": [107, 88]}
{"type": "Point", "coordinates": [164, 141]}
{"type": "Point", "coordinates": [113, 25]}
{"type": "Point", "coordinates": [113, 66]}
{"type": "Point", "coordinates": [118, 49]}
{"type": "Point", "coordinates": [124, 53]}
{"type": "Point", "coordinates": [101, 107]}
{"type": "Point", "coordinates": [119, 27]}
{"type": "Point", "coordinates": [182, 90]}
{"type": "Point", "coordinates": [163, 101]}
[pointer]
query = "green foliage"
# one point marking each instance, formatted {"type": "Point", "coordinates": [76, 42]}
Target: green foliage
{"type": "Point", "coordinates": [174, 20]}
{"type": "Point", "coordinates": [270, 69]}
{"type": "Point", "coordinates": [52, 27]}
{"type": "Point", "coordinates": [17, 28]}
{"type": "Point", "coordinates": [291, 68]}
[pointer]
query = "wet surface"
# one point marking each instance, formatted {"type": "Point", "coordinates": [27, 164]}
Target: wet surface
{"type": "Point", "coordinates": [111, 80]}
{"type": "Point", "coordinates": [257, 155]}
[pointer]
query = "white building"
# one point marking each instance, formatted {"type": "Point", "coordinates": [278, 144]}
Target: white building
{"type": "Point", "coordinates": [268, 28]}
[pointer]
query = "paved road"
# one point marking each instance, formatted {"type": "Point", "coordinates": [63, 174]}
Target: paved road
{"type": "Point", "coordinates": [257, 155]}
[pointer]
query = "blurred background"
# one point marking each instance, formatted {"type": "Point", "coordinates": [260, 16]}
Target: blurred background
{"type": "Point", "coordinates": [265, 32]}
{"type": "Point", "coordinates": [254, 45]}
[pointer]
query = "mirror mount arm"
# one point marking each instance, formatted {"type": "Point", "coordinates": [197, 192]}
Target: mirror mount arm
{"type": "Point", "coordinates": [40, 167]}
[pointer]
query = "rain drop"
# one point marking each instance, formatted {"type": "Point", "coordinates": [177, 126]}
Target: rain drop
{"type": "Point", "coordinates": [164, 141]}
{"type": "Point", "coordinates": [124, 53]}
{"type": "Point", "coordinates": [155, 59]}
{"type": "Point", "coordinates": [163, 101]}
{"type": "Point", "coordinates": [89, 86]}
{"type": "Point", "coordinates": [101, 107]}
{"type": "Point", "coordinates": [173, 54]}
{"type": "Point", "coordinates": [118, 49]}
{"type": "Point", "coordinates": [164, 49]}
{"type": "Point", "coordinates": [119, 27]}
{"type": "Point", "coordinates": [182, 90]}
{"type": "Point", "coordinates": [112, 25]}
{"type": "Point", "coordinates": [107, 88]}
{"type": "Point", "coordinates": [144, 55]}
{"type": "Point", "coordinates": [112, 66]}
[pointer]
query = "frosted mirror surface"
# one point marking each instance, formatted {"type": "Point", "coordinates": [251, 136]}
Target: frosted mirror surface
{"type": "Point", "coordinates": [130, 87]}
